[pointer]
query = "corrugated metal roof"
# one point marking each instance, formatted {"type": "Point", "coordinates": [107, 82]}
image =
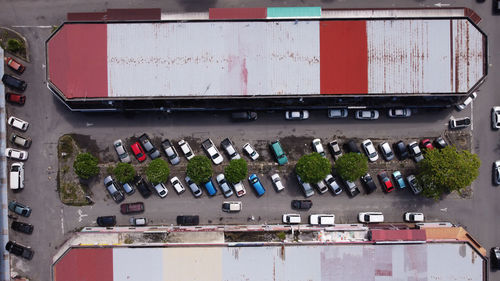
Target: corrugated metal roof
{"type": "Point", "coordinates": [293, 12]}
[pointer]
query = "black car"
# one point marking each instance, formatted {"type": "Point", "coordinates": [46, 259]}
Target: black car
{"type": "Point", "coordinates": [13, 82]}
{"type": "Point", "coordinates": [302, 204]}
{"type": "Point", "coordinates": [188, 220]}
{"type": "Point", "coordinates": [352, 147]}
{"type": "Point", "coordinates": [106, 221]}
{"type": "Point", "coordinates": [401, 150]}
{"type": "Point", "coordinates": [244, 116]}
{"type": "Point", "coordinates": [368, 183]}
{"type": "Point", "coordinates": [19, 250]}
{"type": "Point", "coordinates": [142, 186]}
{"type": "Point", "coordinates": [495, 257]}
{"type": "Point", "coordinates": [22, 227]}
{"type": "Point", "coordinates": [440, 143]}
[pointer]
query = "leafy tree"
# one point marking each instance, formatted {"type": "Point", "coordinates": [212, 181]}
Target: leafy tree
{"type": "Point", "coordinates": [447, 170]}
{"type": "Point", "coordinates": [351, 166]}
{"type": "Point", "coordinates": [124, 172]}
{"type": "Point", "coordinates": [14, 45]}
{"type": "Point", "coordinates": [199, 169]}
{"type": "Point", "coordinates": [157, 171]}
{"type": "Point", "coordinates": [236, 171]}
{"type": "Point", "coordinates": [85, 165]}
{"type": "Point", "coordinates": [313, 167]}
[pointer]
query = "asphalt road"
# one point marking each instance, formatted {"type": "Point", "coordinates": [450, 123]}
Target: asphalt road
{"type": "Point", "coordinates": [50, 119]}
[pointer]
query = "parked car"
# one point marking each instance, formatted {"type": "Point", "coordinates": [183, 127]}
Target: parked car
{"type": "Point", "coordinates": [195, 189]}
{"type": "Point", "coordinates": [335, 149]}
{"type": "Point", "coordinates": [467, 101]}
{"type": "Point", "coordinates": [385, 181]}
{"type": "Point", "coordinates": [106, 221]}
{"type": "Point", "coordinates": [244, 116]}
{"type": "Point", "coordinates": [415, 151]}
{"type": "Point", "coordinates": [15, 98]}
{"type": "Point", "coordinates": [351, 188]}
{"type": "Point", "coordinates": [291, 218]}
{"type": "Point", "coordinates": [250, 151]}
{"type": "Point", "coordinates": [496, 172]}
{"type": "Point", "coordinates": [239, 188]}
{"type": "Point", "coordinates": [297, 115]}
{"type": "Point", "coordinates": [132, 208]}
{"type": "Point", "coordinates": [371, 217]}
{"type": "Point", "coordinates": [170, 151]}
{"type": "Point", "coordinates": [414, 185]}
{"type": "Point", "coordinates": [20, 140]}
{"type": "Point", "coordinates": [495, 117]}
{"type": "Point", "coordinates": [367, 114]}
{"type": "Point", "coordinates": [17, 123]}
{"type": "Point", "coordinates": [19, 250]}
{"type": "Point", "coordinates": [186, 149]}
{"type": "Point", "coordinates": [22, 227]}
{"type": "Point", "coordinates": [333, 185]}
{"type": "Point", "coordinates": [16, 176]}
{"type": "Point", "coordinates": [14, 82]}
{"type": "Point", "coordinates": [212, 151]}
{"type": "Point", "coordinates": [142, 186]}
{"type": "Point", "coordinates": [121, 151]}
{"type": "Point", "coordinates": [495, 251]}
{"type": "Point", "coordinates": [398, 178]}
{"type": "Point", "coordinates": [318, 147]}
{"type": "Point", "coordinates": [386, 151]}
{"type": "Point", "coordinates": [322, 219]}
{"type": "Point", "coordinates": [413, 217]}
{"type": "Point", "coordinates": [228, 146]}
{"type": "Point", "coordinates": [321, 186]}
{"type": "Point", "coordinates": [188, 220]}
{"type": "Point", "coordinates": [14, 65]}
{"type": "Point", "coordinates": [278, 153]}
{"type": "Point", "coordinates": [224, 185]}
{"type": "Point", "coordinates": [427, 144]}
{"type": "Point", "coordinates": [113, 190]}
{"type": "Point", "coordinates": [138, 151]}
{"type": "Point", "coordinates": [301, 204]}
{"type": "Point", "coordinates": [440, 143]}
{"type": "Point", "coordinates": [16, 154]}
{"type": "Point", "coordinates": [138, 221]}
{"type": "Point", "coordinates": [401, 150]}
{"type": "Point", "coordinates": [176, 183]}
{"type": "Point", "coordinates": [275, 178]}
{"type": "Point", "coordinates": [368, 183]}
{"type": "Point", "coordinates": [231, 207]}
{"type": "Point", "coordinates": [19, 208]}
{"type": "Point", "coordinates": [353, 147]}
{"type": "Point", "coordinates": [337, 113]}
{"type": "Point", "coordinates": [128, 188]}
{"type": "Point", "coordinates": [149, 147]}
{"type": "Point", "coordinates": [209, 186]}
{"type": "Point", "coordinates": [306, 187]}
{"type": "Point", "coordinates": [256, 184]}
{"type": "Point", "coordinates": [399, 112]}
{"type": "Point", "coordinates": [370, 150]}
{"type": "Point", "coordinates": [161, 190]}
{"type": "Point", "coordinates": [459, 123]}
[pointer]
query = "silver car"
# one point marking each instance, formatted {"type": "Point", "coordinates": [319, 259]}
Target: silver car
{"type": "Point", "coordinates": [367, 114]}
{"type": "Point", "coordinates": [297, 115]}
{"type": "Point", "coordinates": [306, 187]}
{"type": "Point", "coordinates": [333, 185]}
{"type": "Point", "coordinates": [170, 151]}
{"type": "Point", "coordinates": [386, 151]}
{"type": "Point", "coordinates": [496, 172]}
{"type": "Point", "coordinates": [370, 150]}
{"type": "Point", "coordinates": [224, 185]}
{"type": "Point", "coordinates": [495, 117]}
{"type": "Point", "coordinates": [186, 149]}
{"type": "Point", "coordinates": [337, 113]}
{"type": "Point", "coordinates": [194, 187]}
{"type": "Point", "coordinates": [415, 151]}
{"type": "Point", "coordinates": [121, 151]}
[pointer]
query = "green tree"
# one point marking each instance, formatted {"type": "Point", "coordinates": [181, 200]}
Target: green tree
{"type": "Point", "coordinates": [14, 45]}
{"type": "Point", "coordinates": [199, 169]}
{"type": "Point", "coordinates": [124, 172]}
{"type": "Point", "coordinates": [85, 165]}
{"type": "Point", "coordinates": [157, 171]}
{"type": "Point", "coordinates": [236, 171]}
{"type": "Point", "coordinates": [446, 170]}
{"type": "Point", "coordinates": [351, 166]}
{"type": "Point", "coordinates": [313, 167]}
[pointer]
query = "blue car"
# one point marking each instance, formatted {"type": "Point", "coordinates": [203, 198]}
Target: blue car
{"type": "Point", "coordinates": [399, 179]}
{"type": "Point", "coordinates": [209, 186]}
{"type": "Point", "coordinates": [255, 182]}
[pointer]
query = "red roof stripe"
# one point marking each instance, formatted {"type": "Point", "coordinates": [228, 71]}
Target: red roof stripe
{"type": "Point", "coordinates": [85, 264]}
{"type": "Point", "coordinates": [237, 13]}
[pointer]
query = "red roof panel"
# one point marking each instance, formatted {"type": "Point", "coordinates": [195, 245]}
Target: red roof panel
{"type": "Point", "coordinates": [237, 13]}
{"type": "Point", "coordinates": [379, 235]}
{"type": "Point", "coordinates": [85, 264]}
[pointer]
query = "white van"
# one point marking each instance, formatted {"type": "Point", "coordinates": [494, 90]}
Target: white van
{"type": "Point", "coordinates": [370, 217]}
{"type": "Point", "coordinates": [231, 206]}
{"type": "Point", "coordinates": [322, 219]}
{"type": "Point", "coordinates": [291, 218]}
{"type": "Point", "coordinates": [17, 176]}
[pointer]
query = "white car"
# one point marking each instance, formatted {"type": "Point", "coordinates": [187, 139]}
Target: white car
{"type": "Point", "coordinates": [231, 206]}
{"type": "Point", "coordinates": [17, 123]}
{"type": "Point", "coordinates": [138, 221]}
{"type": "Point", "coordinates": [291, 218]}
{"type": "Point", "coordinates": [186, 149]}
{"type": "Point", "coordinates": [16, 153]}
{"type": "Point", "coordinates": [318, 147]}
{"type": "Point", "coordinates": [212, 151]}
{"type": "Point", "coordinates": [239, 188]}
{"type": "Point", "coordinates": [333, 185]}
{"type": "Point", "coordinates": [337, 113]}
{"type": "Point", "coordinates": [228, 146]}
{"type": "Point", "coordinates": [371, 217]}
{"type": "Point", "coordinates": [297, 115]}
{"type": "Point", "coordinates": [277, 182]}
{"type": "Point", "coordinates": [251, 151]}
{"type": "Point", "coordinates": [176, 183]}
{"type": "Point", "coordinates": [17, 176]}
{"type": "Point", "coordinates": [367, 114]}
{"type": "Point", "coordinates": [321, 186]}
{"type": "Point", "coordinates": [399, 112]}
{"type": "Point", "coordinates": [224, 185]}
{"type": "Point", "coordinates": [322, 219]}
{"type": "Point", "coordinates": [370, 150]}
{"type": "Point", "coordinates": [121, 151]}
{"type": "Point", "coordinates": [495, 117]}
{"type": "Point", "coordinates": [467, 101]}
{"type": "Point", "coordinates": [414, 217]}
{"type": "Point", "coordinates": [161, 189]}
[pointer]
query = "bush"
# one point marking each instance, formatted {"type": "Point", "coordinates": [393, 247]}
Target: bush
{"type": "Point", "coordinates": [199, 169]}
{"type": "Point", "coordinates": [236, 171]}
{"type": "Point", "coordinates": [351, 166]}
{"type": "Point", "coordinates": [124, 172]}
{"type": "Point", "coordinates": [313, 167]}
{"type": "Point", "coordinates": [157, 171]}
{"type": "Point", "coordinates": [14, 45]}
{"type": "Point", "coordinates": [85, 165]}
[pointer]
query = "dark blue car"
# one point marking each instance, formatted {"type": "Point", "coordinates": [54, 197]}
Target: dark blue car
{"type": "Point", "coordinates": [255, 182]}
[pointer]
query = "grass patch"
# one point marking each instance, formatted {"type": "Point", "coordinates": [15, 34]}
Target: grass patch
{"type": "Point", "coordinates": [72, 194]}
{"type": "Point", "coordinates": [281, 235]}
{"type": "Point", "coordinates": [66, 145]}
{"type": "Point", "coordinates": [128, 240]}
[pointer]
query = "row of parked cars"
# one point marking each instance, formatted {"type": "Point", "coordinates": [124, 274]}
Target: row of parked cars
{"type": "Point", "coordinates": [363, 217]}
{"type": "Point", "coordinates": [366, 114]}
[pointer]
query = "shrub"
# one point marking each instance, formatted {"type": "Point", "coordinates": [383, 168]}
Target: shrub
{"type": "Point", "coordinates": [124, 172]}
{"type": "Point", "coordinates": [199, 169]}
{"type": "Point", "coordinates": [313, 167]}
{"type": "Point", "coordinates": [157, 171]}
{"type": "Point", "coordinates": [85, 165]}
{"type": "Point", "coordinates": [14, 45]}
{"type": "Point", "coordinates": [351, 166]}
{"type": "Point", "coordinates": [236, 171]}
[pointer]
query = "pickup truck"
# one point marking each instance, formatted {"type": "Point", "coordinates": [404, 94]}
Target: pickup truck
{"type": "Point", "coordinates": [459, 123]}
{"type": "Point", "coordinates": [209, 147]}
{"type": "Point", "coordinates": [19, 250]}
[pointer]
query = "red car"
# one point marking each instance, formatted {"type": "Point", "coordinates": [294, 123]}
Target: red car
{"type": "Point", "coordinates": [15, 98]}
{"type": "Point", "coordinates": [138, 151]}
{"type": "Point", "coordinates": [427, 144]}
{"type": "Point", "coordinates": [385, 181]}
{"type": "Point", "coordinates": [12, 63]}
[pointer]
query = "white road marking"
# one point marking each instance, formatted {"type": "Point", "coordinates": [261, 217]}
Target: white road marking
{"type": "Point", "coordinates": [444, 210]}
{"type": "Point", "coordinates": [89, 124]}
{"type": "Point", "coordinates": [62, 220]}
{"type": "Point", "coordinates": [81, 215]}
{"type": "Point", "coordinates": [30, 26]}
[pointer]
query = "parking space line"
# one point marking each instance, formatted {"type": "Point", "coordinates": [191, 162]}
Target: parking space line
{"type": "Point", "coordinates": [62, 220]}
